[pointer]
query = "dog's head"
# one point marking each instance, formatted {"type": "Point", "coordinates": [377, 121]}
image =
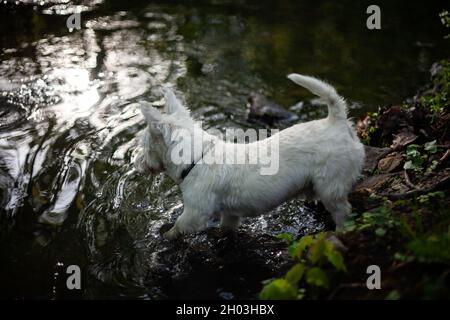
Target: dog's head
{"type": "Point", "coordinates": [153, 157]}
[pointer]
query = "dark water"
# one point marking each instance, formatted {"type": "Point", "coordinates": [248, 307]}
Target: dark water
{"type": "Point", "coordinates": [68, 129]}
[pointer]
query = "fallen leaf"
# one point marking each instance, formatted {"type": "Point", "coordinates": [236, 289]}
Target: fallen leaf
{"type": "Point", "coordinates": [402, 139]}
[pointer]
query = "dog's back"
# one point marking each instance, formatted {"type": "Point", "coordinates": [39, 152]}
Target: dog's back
{"type": "Point", "coordinates": [320, 159]}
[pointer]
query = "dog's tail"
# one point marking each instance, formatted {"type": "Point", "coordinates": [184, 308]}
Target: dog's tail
{"type": "Point", "coordinates": [337, 108]}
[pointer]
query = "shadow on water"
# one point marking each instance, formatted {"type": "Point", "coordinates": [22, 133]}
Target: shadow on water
{"type": "Point", "coordinates": [68, 129]}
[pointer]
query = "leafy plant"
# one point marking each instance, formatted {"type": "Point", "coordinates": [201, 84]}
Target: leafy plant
{"type": "Point", "coordinates": [425, 199]}
{"type": "Point", "coordinates": [445, 19]}
{"type": "Point", "coordinates": [437, 100]}
{"type": "Point", "coordinates": [423, 244]}
{"type": "Point", "coordinates": [279, 289]}
{"type": "Point", "coordinates": [415, 159]}
{"type": "Point", "coordinates": [379, 219]}
{"type": "Point", "coordinates": [431, 249]}
{"type": "Point", "coordinates": [431, 147]}
{"type": "Point", "coordinates": [372, 128]}
{"type": "Point", "coordinates": [311, 254]}
{"type": "Point", "coordinates": [393, 295]}
{"type": "Point", "coordinates": [417, 156]}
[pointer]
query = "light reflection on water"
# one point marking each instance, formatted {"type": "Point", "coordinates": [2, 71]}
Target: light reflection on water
{"type": "Point", "coordinates": [70, 125]}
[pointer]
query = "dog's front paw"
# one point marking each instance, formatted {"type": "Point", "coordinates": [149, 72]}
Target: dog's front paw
{"type": "Point", "coordinates": [172, 234]}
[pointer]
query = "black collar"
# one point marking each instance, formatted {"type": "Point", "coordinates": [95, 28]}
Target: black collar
{"type": "Point", "coordinates": [187, 170]}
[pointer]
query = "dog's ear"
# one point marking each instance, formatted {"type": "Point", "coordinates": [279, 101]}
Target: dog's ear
{"type": "Point", "coordinates": [151, 114]}
{"type": "Point", "coordinates": [173, 105]}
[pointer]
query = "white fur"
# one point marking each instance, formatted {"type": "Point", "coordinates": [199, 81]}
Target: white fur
{"type": "Point", "coordinates": [319, 159]}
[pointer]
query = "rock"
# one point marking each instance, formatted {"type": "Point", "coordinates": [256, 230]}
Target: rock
{"type": "Point", "coordinates": [390, 163]}
{"type": "Point", "coordinates": [373, 155]}
{"type": "Point", "coordinates": [361, 199]}
{"type": "Point", "coordinates": [268, 112]}
{"type": "Point", "coordinates": [435, 69]}
{"type": "Point", "coordinates": [374, 182]}
{"type": "Point", "coordinates": [186, 262]}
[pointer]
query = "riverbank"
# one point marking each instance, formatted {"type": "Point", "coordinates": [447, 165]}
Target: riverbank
{"type": "Point", "coordinates": [401, 223]}
{"type": "Point", "coordinates": [404, 221]}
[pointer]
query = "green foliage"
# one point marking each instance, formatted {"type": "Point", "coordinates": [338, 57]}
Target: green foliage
{"type": "Point", "coordinates": [422, 244]}
{"type": "Point", "coordinates": [296, 273]}
{"type": "Point", "coordinates": [382, 219]}
{"type": "Point", "coordinates": [431, 147]}
{"type": "Point", "coordinates": [430, 201]}
{"type": "Point", "coordinates": [317, 277]}
{"type": "Point", "coordinates": [403, 257]}
{"type": "Point", "coordinates": [417, 156]}
{"type": "Point", "coordinates": [425, 199]}
{"type": "Point", "coordinates": [437, 100]}
{"type": "Point", "coordinates": [393, 295]}
{"type": "Point", "coordinates": [317, 261]}
{"type": "Point", "coordinates": [432, 249]}
{"type": "Point", "coordinates": [279, 289]}
{"type": "Point", "coordinates": [311, 254]}
{"type": "Point", "coordinates": [296, 248]}
{"type": "Point", "coordinates": [415, 159]}
{"type": "Point", "coordinates": [380, 232]}
{"type": "Point", "coordinates": [445, 19]}
{"type": "Point", "coordinates": [372, 118]}
{"type": "Point", "coordinates": [286, 237]}
{"type": "Point", "coordinates": [379, 219]}
{"type": "Point", "coordinates": [336, 259]}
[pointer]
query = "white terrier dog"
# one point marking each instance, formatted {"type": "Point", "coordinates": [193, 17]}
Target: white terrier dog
{"type": "Point", "coordinates": [319, 159]}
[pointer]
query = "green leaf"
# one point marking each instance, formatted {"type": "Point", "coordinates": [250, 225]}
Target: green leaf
{"type": "Point", "coordinates": [408, 165]}
{"type": "Point", "coordinates": [439, 194]}
{"type": "Point", "coordinates": [380, 232]}
{"type": "Point", "coordinates": [336, 259]}
{"type": "Point", "coordinates": [393, 295]}
{"type": "Point", "coordinates": [298, 247]}
{"type": "Point", "coordinates": [318, 249]}
{"type": "Point", "coordinates": [315, 276]}
{"type": "Point", "coordinates": [433, 249]}
{"type": "Point", "coordinates": [279, 289]}
{"type": "Point", "coordinates": [293, 250]}
{"type": "Point", "coordinates": [403, 257]}
{"type": "Point", "coordinates": [412, 147]}
{"type": "Point", "coordinates": [423, 198]}
{"type": "Point", "coordinates": [306, 241]}
{"type": "Point", "coordinates": [431, 146]}
{"type": "Point", "coordinates": [411, 151]}
{"type": "Point", "coordinates": [289, 238]}
{"type": "Point", "coordinates": [295, 274]}
{"type": "Point", "coordinates": [349, 226]}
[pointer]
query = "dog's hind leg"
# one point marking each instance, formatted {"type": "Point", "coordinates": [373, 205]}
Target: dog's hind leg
{"type": "Point", "coordinates": [340, 210]}
{"type": "Point", "coordinates": [229, 221]}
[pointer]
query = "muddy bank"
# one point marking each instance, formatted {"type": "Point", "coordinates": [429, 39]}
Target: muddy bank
{"type": "Point", "coordinates": [405, 223]}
